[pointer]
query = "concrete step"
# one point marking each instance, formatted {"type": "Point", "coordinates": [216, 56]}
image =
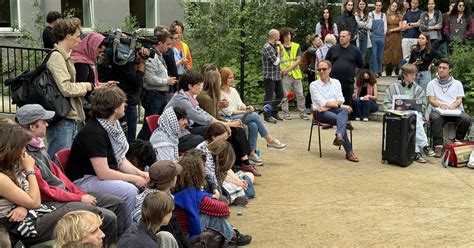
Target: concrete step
{"type": "Point", "coordinates": [377, 116]}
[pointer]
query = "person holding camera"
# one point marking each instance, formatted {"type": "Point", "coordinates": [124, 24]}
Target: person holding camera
{"type": "Point", "coordinates": [156, 81]}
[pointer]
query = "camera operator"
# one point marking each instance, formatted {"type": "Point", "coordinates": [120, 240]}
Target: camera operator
{"type": "Point", "coordinates": [130, 78]}
{"type": "Point", "coordinates": [156, 82]}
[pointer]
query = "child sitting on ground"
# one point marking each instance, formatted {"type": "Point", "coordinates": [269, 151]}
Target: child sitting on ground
{"type": "Point", "coordinates": [162, 178]}
{"type": "Point", "coordinates": [156, 212]}
{"type": "Point", "coordinates": [196, 209]}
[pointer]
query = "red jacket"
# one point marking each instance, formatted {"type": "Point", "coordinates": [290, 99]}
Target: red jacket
{"type": "Point", "coordinates": [52, 193]}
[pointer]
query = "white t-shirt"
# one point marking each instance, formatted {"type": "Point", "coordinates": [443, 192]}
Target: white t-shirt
{"type": "Point", "coordinates": [446, 93]}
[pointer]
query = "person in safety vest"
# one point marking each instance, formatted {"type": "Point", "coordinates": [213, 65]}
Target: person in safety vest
{"type": "Point", "coordinates": [291, 73]}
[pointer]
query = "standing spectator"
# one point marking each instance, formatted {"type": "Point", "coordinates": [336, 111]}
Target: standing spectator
{"type": "Point", "coordinates": [443, 49]}
{"type": "Point", "coordinates": [410, 28]}
{"type": "Point", "coordinates": [291, 73]}
{"type": "Point", "coordinates": [169, 58]}
{"type": "Point", "coordinates": [365, 98]}
{"type": "Point", "coordinates": [272, 75]}
{"type": "Point", "coordinates": [79, 227]}
{"type": "Point", "coordinates": [393, 43]}
{"type": "Point", "coordinates": [179, 58]}
{"type": "Point", "coordinates": [407, 87]}
{"type": "Point", "coordinates": [406, 6]}
{"type": "Point", "coordinates": [328, 104]}
{"type": "Point", "coordinates": [326, 25]}
{"type": "Point", "coordinates": [61, 133]}
{"type": "Point", "coordinates": [364, 22]}
{"type": "Point", "coordinates": [348, 22]}
{"type": "Point", "coordinates": [181, 46]}
{"type": "Point", "coordinates": [445, 92]}
{"type": "Point", "coordinates": [422, 56]}
{"type": "Point", "coordinates": [379, 29]}
{"type": "Point", "coordinates": [431, 22]}
{"type": "Point", "coordinates": [130, 78]}
{"type": "Point", "coordinates": [314, 42]}
{"type": "Point", "coordinates": [156, 81]}
{"type": "Point", "coordinates": [97, 159]}
{"type": "Point", "coordinates": [48, 37]}
{"type": "Point", "coordinates": [345, 58]}
{"type": "Point", "coordinates": [460, 23]}
{"type": "Point", "coordinates": [330, 41]}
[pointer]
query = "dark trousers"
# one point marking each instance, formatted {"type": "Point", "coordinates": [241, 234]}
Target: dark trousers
{"type": "Point", "coordinates": [114, 204]}
{"type": "Point", "coordinates": [311, 78]}
{"type": "Point", "coordinates": [347, 91]}
{"type": "Point", "coordinates": [362, 109]}
{"type": "Point", "coordinates": [272, 86]}
{"type": "Point", "coordinates": [190, 141]}
{"type": "Point", "coordinates": [153, 102]}
{"type": "Point", "coordinates": [437, 122]}
{"type": "Point", "coordinates": [241, 144]}
{"type": "Point", "coordinates": [131, 119]}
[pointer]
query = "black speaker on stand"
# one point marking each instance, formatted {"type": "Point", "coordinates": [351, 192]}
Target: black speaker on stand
{"type": "Point", "coordinates": [398, 138]}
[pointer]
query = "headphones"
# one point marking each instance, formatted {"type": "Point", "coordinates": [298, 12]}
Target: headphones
{"type": "Point", "coordinates": [404, 84]}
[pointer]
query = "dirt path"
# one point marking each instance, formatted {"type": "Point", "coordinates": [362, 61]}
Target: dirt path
{"type": "Point", "coordinates": [307, 201]}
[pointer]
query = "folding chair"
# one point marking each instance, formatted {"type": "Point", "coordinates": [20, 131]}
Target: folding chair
{"type": "Point", "coordinates": [152, 121]}
{"type": "Point", "coordinates": [315, 122]}
{"type": "Point", "coordinates": [62, 157]}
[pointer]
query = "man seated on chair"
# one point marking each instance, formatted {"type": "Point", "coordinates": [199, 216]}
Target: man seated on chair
{"type": "Point", "coordinates": [327, 98]}
{"type": "Point", "coordinates": [446, 93]}
{"type": "Point", "coordinates": [407, 88]}
{"type": "Point", "coordinates": [55, 188]}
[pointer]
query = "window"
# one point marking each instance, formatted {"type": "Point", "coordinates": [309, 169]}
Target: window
{"type": "Point", "coordinates": [9, 13]}
{"type": "Point", "coordinates": [144, 11]}
{"type": "Point", "coordinates": [80, 9]}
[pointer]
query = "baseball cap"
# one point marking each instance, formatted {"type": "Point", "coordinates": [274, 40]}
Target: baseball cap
{"type": "Point", "coordinates": [31, 113]}
{"type": "Point", "coordinates": [163, 171]}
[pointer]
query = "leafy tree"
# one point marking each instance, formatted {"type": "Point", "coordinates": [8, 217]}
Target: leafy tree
{"type": "Point", "coordinates": [463, 70]}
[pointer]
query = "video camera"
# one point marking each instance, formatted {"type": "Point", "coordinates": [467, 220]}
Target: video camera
{"type": "Point", "coordinates": [123, 47]}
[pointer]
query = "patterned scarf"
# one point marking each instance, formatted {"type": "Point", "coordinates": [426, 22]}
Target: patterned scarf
{"type": "Point", "coordinates": [168, 131]}
{"type": "Point", "coordinates": [117, 138]}
{"type": "Point", "coordinates": [445, 82]}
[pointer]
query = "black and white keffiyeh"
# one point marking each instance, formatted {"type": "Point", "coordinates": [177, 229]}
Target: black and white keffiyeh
{"type": "Point", "coordinates": [117, 138]}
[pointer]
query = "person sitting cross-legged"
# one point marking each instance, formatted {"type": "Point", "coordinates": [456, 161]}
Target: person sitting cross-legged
{"type": "Point", "coordinates": [327, 98]}
{"type": "Point", "coordinates": [411, 90]}
{"type": "Point", "coordinates": [445, 92]}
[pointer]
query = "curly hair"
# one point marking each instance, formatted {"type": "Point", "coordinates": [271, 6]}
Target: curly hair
{"type": "Point", "coordinates": [74, 226]}
{"type": "Point", "coordinates": [63, 27]}
{"type": "Point", "coordinates": [360, 78]}
{"type": "Point", "coordinates": [13, 139]}
{"type": "Point", "coordinates": [223, 155]}
{"type": "Point", "coordinates": [193, 173]}
{"type": "Point", "coordinates": [106, 100]}
{"type": "Point", "coordinates": [467, 9]}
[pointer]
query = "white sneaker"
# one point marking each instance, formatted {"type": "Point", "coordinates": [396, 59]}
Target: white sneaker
{"type": "Point", "coordinates": [287, 116]}
{"type": "Point", "coordinates": [365, 119]}
{"type": "Point", "coordinates": [276, 145]}
{"type": "Point", "coordinates": [357, 119]}
{"type": "Point", "coordinates": [255, 158]}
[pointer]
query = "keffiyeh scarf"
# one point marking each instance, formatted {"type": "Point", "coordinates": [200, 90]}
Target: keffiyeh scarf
{"type": "Point", "coordinates": [117, 138]}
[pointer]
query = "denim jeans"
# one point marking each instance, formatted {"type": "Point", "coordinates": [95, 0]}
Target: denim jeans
{"type": "Point", "coordinates": [363, 43]}
{"type": "Point", "coordinates": [423, 78]}
{"type": "Point", "coordinates": [219, 223]}
{"type": "Point", "coordinates": [362, 109]}
{"type": "Point", "coordinates": [131, 119]}
{"type": "Point", "coordinates": [153, 102]}
{"type": "Point", "coordinates": [338, 116]}
{"type": "Point", "coordinates": [256, 126]}
{"type": "Point", "coordinates": [60, 135]}
{"type": "Point", "coordinates": [376, 53]}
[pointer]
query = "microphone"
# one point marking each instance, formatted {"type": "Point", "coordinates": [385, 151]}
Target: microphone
{"type": "Point", "coordinates": [289, 96]}
{"type": "Point", "coordinates": [266, 108]}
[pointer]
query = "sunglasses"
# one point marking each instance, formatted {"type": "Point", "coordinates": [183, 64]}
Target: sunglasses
{"type": "Point", "coordinates": [322, 69]}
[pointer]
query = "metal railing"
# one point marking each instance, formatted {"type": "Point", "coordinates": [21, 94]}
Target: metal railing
{"type": "Point", "coordinates": [13, 62]}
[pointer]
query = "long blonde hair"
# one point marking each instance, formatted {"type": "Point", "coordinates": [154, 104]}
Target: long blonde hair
{"type": "Point", "coordinates": [74, 226]}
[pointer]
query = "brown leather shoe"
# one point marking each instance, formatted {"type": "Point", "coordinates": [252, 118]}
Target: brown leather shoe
{"type": "Point", "coordinates": [352, 157]}
{"type": "Point", "coordinates": [251, 169]}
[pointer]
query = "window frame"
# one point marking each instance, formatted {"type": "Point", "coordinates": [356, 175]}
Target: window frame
{"type": "Point", "coordinates": [8, 30]}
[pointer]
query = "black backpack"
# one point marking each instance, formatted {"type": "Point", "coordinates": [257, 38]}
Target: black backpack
{"type": "Point", "coordinates": [38, 86]}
